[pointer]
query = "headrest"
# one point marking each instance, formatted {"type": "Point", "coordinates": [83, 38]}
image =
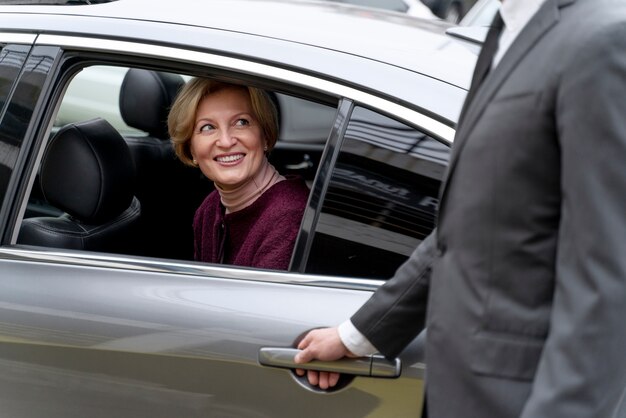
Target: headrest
{"type": "Point", "coordinates": [88, 172]}
{"type": "Point", "coordinates": [145, 99]}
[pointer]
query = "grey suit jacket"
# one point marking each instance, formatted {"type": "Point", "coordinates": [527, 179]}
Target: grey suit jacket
{"type": "Point", "coordinates": [526, 307]}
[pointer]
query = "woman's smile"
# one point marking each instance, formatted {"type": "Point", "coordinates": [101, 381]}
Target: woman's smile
{"type": "Point", "coordinates": [230, 159]}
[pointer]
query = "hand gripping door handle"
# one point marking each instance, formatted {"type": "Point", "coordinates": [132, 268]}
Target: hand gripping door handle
{"type": "Point", "coordinates": [372, 366]}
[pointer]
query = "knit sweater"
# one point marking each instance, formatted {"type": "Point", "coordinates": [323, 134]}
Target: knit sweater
{"type": "Point", "coordinates": [260, 235]}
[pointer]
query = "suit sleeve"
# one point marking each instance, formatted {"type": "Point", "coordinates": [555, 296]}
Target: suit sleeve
{"type": "Point", "coordinates": [396, 312]}
{"type": "Point", "coordinates": [582, 369]}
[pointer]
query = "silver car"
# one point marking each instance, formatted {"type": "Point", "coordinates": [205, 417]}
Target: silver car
{"type": "Point", "coordinates": [103, 311]}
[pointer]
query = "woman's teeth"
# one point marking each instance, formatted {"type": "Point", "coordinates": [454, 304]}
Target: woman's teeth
{"type": "Point", "coordinates": [229, 158]}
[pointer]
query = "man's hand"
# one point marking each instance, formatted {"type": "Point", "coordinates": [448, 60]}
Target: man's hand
{"type": "Point", "coordinates": [325, 345]}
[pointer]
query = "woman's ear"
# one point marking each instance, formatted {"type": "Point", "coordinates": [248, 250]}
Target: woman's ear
{"type": "Point", "coordinates": [193, 158]}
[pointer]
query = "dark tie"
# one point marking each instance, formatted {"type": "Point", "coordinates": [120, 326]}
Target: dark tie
{"type": "Point", "coordinates": [485, 58]}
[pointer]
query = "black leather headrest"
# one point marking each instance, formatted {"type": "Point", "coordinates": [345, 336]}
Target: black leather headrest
{"type": "Point", "coordinates": [145, 99]}
{"type": "Point", "coordinates": [88, 172]}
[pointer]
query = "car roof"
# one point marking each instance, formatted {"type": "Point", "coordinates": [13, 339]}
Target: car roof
{"type": "Point", "coordinates": [418, 45]}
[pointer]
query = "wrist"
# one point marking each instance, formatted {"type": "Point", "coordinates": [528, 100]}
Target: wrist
{"type": "Point", "coordinates": [354, 341]}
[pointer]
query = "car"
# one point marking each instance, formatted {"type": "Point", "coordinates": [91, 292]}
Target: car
{"type": "Point", "coordinates": [450, 10]}
{"type": "Point", "coordinates": [104, 310]}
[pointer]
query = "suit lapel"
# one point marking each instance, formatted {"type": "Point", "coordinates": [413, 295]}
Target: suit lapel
{"type": "Point", "coordinates": [545, 18]}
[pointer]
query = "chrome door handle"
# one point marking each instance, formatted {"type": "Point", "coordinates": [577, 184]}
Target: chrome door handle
{"type": "Point", "coordinates": [373, 366]}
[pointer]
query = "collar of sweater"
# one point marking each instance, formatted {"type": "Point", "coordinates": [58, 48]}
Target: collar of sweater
{"type": "Point", "coordinates": [246, 194]}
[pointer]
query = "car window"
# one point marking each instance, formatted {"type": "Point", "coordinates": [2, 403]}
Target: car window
{"type": "Point", "coordinates": [12, 59]}
{"type": "Point", "coordinates": [168, 191]}
{"type": "Point", "coordinates": [381, 200]}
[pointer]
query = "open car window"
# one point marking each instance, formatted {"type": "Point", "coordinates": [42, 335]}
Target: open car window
{"type": "Point", "coordinates": [167, 191]}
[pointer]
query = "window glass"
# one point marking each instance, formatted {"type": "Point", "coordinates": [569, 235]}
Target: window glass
{"type": "Point", "coordinates": [11, 61]}
{"type": "Point", "coordinates": [382, 198]}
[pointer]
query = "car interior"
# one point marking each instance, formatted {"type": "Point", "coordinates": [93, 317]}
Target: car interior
{"type": "Point", "coordinates": [100, 209]}
{"type": "Point", "coordinates": [168, 191]}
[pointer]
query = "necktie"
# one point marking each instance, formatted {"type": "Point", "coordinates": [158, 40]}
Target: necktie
{"type": "Point", "coordinates": [485, 58]}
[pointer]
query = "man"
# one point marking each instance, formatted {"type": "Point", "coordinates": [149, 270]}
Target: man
{"type": "Point", "coordinates": [527, 295]}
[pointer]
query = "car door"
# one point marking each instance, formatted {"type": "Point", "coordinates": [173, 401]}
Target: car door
{"type": "Point", "coordinates": [112, 334]}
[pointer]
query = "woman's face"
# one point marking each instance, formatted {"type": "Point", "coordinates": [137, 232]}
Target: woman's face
{"type": "Point", "coordinates": [227, 141]}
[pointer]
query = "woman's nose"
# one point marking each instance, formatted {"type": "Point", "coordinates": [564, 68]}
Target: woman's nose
{"type": "Point", "coordinates": [226, 139]}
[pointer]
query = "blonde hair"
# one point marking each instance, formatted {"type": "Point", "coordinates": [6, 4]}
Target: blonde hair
{"type": "Point", "coordinates": [181, 118]}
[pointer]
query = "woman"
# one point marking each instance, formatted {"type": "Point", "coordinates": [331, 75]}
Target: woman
{"type": "Point", "coordinates": [253, 216]}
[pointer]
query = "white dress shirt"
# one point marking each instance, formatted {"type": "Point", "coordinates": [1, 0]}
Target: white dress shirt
{"type": "Point", "coordinates": [515, 14]}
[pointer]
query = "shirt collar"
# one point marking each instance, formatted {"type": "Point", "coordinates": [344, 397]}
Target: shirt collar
{"type": "Point", "coordinates": [517, 13]}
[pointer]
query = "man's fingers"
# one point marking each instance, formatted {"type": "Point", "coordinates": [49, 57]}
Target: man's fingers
{"type": "Point", "coordinates": [323, 380]}
{"type": "Point", "coordinates": [304, 356]}
{"type": "Point", "coordinates": [313, 377]}
{"type": "Point", "coordinates": [327, 380]}
{"type": "Point", "coordinates": [333, 379]}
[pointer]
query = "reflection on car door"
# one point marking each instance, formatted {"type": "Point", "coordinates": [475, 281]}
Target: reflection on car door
{"type": "Point", "coordinates": [381, 200]}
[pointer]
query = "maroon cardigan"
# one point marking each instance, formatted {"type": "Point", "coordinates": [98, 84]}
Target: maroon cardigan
{"type": "Point", "coordinates": [261, 235]}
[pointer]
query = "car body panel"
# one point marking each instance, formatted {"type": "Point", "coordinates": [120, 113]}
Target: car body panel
{"type": "Point", "coordinates": [343, 32]}
{"type": "Point", "coordinates": [168, 340]}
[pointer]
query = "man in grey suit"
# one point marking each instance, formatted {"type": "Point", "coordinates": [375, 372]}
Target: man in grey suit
{"type": "Point", "coordinates": [523, 283]}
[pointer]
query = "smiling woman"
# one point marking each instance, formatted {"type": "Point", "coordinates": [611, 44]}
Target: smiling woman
{"type": "Point", "coordinates": [253, 216]}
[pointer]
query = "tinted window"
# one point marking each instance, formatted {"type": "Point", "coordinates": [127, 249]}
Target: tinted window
{"type": "Point", "coordinates": [382, 198]}
{"type": "Point", "coordinates": [11, 61]}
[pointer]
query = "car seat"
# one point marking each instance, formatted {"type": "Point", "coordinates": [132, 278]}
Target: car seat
{"type": "Point", "coordinates": [168, 190]}
{"type": "Point", "coordinates": [88, 173]}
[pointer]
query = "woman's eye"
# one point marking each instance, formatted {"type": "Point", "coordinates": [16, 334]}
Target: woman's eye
{"type": "Point", "coordinates": [205, 128]}
{"type": "Point", "coordinates": [242, 122]}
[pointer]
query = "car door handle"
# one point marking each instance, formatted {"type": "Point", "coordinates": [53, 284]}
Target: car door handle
{"type": "Point", "coordinates": [372, 366]}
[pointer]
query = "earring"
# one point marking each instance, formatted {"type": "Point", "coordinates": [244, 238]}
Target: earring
{"type": "Point", "coordinates": [195, 162]}
{"type": "Point", "coordinates": [265, 148]}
